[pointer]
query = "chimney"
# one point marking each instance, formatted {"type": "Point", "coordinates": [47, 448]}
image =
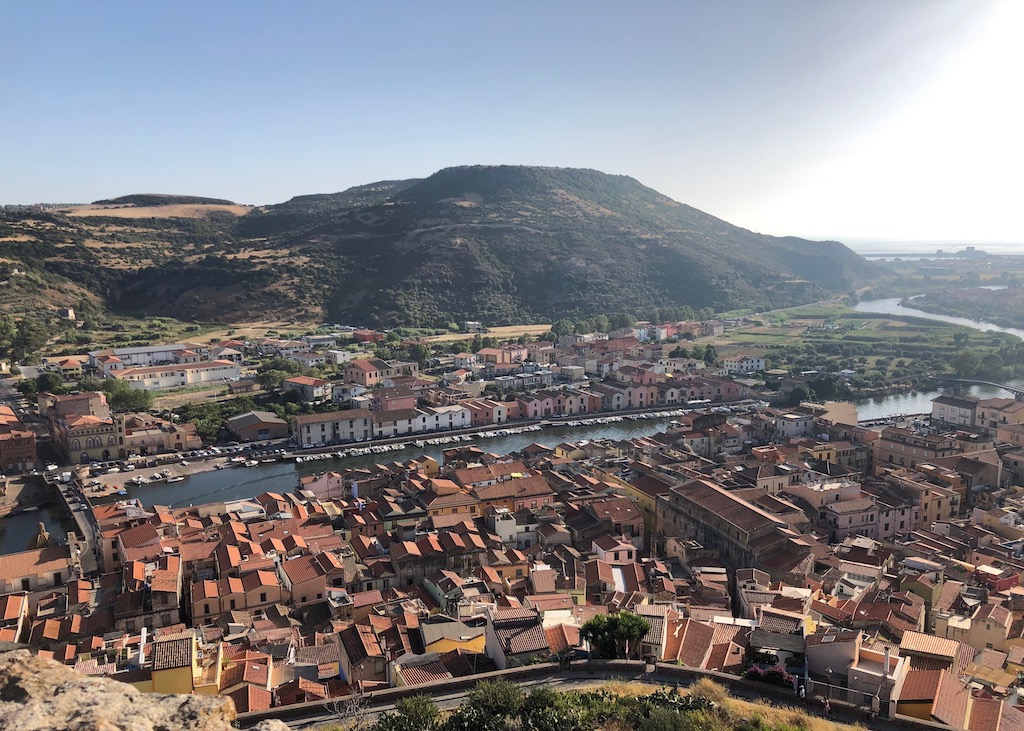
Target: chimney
{"type": "Point", "coordinates": [885, 670]}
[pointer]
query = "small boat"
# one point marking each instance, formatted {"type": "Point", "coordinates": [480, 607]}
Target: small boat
{"type": "Point", "coordinates": [176, 478]}
{"type": "Point", "coordinates": [250, 463]}
{"type": "Point", "coordinates": [219, 466]}
{"type": "Point", "coordinates": [30, 509]}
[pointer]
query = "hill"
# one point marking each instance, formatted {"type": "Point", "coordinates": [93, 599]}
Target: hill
{"type": "Point", "coordinates": [495, 243]}
{"type": "Point", "coordinates": [524, 244]}
{"type": "Point", "coordinates": [162, 199]}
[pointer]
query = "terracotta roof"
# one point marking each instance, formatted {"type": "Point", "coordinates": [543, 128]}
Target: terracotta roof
{"type": "Point", "coordinates": [924, 644]}
{"type": "Point", "coordinates": [519, 631]}
{"type": "Point", "coordinates": [562, 637]}
{"type": "Point", "coordinates": [920, 685]}
{"type": "Point", "coordinates": [173, 652]}
{"type": "Point", "coordinates": [34, 563]}
{"type": "Point", "coordinates": [688, 641]}
{"type": "Point", "coordinates": [251, 698]}
{"type": "Point", "coordinates": [427, 673]}
{"type": "Point", "coordinates": [12, 605]}
{"type": "Point", "coordinates": [302, 569]}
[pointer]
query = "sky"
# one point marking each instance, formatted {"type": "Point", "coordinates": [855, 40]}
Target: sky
{"type": "Point", "coordinates": [892, 120]}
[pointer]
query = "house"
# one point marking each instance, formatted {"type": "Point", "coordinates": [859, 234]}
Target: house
{"type": "Point", "coordinates": [306, 576]}
{"type": "Point", "coordinates": [333, 427]}
{"type": "Point", "coordinates": [308, 358]}
{"type": "Point", "coordinates": [957, 411]}
{"type": "Point", "coordinates": [178, 375]}
{"type": "Point", "coordinates": [70, 369]}
{"type": "Point", "coordinates": [175, 667]}
{"type": "Point", "coordinates": [396, 398]}
{"type": "Point", "coordinates": [371, 371]}
{"type": "Point", "coordinates": [742, 364]}
{"type": "Point", "coordinates": [362, 659]}
{"type": "Point", "coordinates": [514, 637]}
{"type": "Point", "coordinates": [17, 444]}
{"type": "Point", "coordinates": [41, 568]}
{"type": "Point", "coordinates": [309, 389]}
{"type": "Point", "coordinates": [147, 355]}
{"type": "Point", "coordinates": [257, 426]}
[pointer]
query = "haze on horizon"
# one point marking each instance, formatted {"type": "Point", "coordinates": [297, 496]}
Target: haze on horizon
{"type": "Point", "coordinates": [855, 121]}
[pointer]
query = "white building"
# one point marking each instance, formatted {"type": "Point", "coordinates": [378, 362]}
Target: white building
{"type": "Point", "coordinates": [958, 411]}
{"type": "Point", "coordinates": [174, 375]}
{"type": "Point", "coordinates": [146, 355]}
{"type": "Point", "coordinates": [333, 427]}
{"type": "Point", "coordinates": [742, 364]}
{"type": "Point", "coordinates": [308, 358]}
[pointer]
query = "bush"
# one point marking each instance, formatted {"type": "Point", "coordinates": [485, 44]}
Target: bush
{"type": "Point", "coordinates": [773, 676]}
{"type": "Point", "coordinates": [418, 713]}
{"type": "Point", "coordinates": [709, 691]}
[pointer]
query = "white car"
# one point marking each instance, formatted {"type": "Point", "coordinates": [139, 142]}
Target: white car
{"type": "Point", "coordinates": [184, 463]}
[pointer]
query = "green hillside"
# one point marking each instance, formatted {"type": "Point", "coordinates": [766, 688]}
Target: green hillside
{"type": "Point", "coordinates": [499, 244]}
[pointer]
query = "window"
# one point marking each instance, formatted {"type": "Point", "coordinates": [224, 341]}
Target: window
{"type": "Point", "coordinates": [25, 585]}
{"type": "Point", "coordinates": [206, 609]}
{"type": "Point", "coordinates": [263, 596]}
{"type": "Point", "coordinates": [233, 604]}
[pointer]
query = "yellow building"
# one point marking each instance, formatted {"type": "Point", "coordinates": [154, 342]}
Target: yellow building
{"type": "Point", "coordinates": [175, 663]}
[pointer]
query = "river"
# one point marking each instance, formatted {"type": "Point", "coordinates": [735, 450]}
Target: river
{"type": "Point", "coordinates": [17, 530]}
{"type": "Point", "coordinates": [240, 482]}
{"type": "Point", "coordinates": [236, 483]}
{"type": "Point", "coordinates": [892, 306]}
{"type": "Point", "coordinates": [920, 401]}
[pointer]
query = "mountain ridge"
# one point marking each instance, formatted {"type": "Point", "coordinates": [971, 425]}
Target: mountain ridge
{"type": "Point", "coordinates": [503, 244]}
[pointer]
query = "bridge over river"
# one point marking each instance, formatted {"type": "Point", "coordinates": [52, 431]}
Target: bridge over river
{"type": "Point", "coordinates": [1016, 391]}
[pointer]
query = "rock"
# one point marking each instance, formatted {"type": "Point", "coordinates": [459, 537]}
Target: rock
{"type": "Point", "coordinates": [271, 724]}
{"type": "Point", "coordinates": [43, 695]}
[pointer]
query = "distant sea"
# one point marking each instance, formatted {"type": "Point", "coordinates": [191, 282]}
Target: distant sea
{"type": "Point", "coordinates": [917, 249]}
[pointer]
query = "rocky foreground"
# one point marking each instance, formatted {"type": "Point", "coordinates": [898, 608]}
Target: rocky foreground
{"type": "Point", "coordinates": [38, 694]}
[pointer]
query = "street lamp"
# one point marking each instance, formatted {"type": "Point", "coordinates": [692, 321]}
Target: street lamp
{"type": "Point", "coordinates": [828, 688]}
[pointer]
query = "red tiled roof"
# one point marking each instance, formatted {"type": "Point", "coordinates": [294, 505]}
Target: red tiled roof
{"type": "Point", "coordinates": [427, 673]}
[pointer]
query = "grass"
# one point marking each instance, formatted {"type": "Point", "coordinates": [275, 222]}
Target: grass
{"type": "Point", "coordinates": [771, 716]}
{"type": "Point", "coordinates": [504, 332]}
{"type": "Point", "coordinates": [173, 211]}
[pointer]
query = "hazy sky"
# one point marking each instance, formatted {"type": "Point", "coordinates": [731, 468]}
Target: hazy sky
{"type": "Point", "coordinates": [882, 119]}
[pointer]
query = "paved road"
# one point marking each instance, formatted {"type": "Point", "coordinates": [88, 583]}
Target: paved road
{"type": "Point", "coordinates": [446, 701]}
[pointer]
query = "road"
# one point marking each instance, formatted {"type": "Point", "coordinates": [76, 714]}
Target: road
{"type": "Point", "coordinates": [345, 710]}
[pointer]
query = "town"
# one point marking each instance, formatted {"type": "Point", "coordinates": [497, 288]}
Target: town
{"type": "Point", "coordinates": [877, 564]}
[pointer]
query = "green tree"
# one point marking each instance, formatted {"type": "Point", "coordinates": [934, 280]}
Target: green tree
{"type": "Point", "coordinates": [614, 636]}
{"type": "Point", "coordinates": [601, 323]}
{"type": "Point", "coordinates": [420, 353]}
{"type": "Point", "coordinates": [27, 388]}
{"type": "Point", "coordinates": [488, 707]}
{"type": "Point", "coordinates": [621, 319]}
{"type": "Point", "coordinates": [992, 364]}
{"type": "Point", "coordinates": [965, 364]}
{"type": "Point", "coordinates": [271, 379]}
{"type": "Point", "coordinates": [710, 355]}
{"type": "Point", "coordinates": [8, 331]}
{"type": "Point", "coordinates": [564, 326]}
{"type": "Point", "coordinates": [50, 381]}
{"type": "Point", "coordinates": [418, 713]}
{"type": "Point", "coordinates": [798, 395]}
{"type": "Point", "coordinates": [30, 336]}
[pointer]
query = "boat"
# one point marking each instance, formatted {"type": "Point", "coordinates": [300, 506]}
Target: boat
{"type": "Point", "coordinates": [250, 463]}
{"type": "Point", "coordinates": [176, 478]}
{"type": "Point", "coordinates": [30, 509]}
